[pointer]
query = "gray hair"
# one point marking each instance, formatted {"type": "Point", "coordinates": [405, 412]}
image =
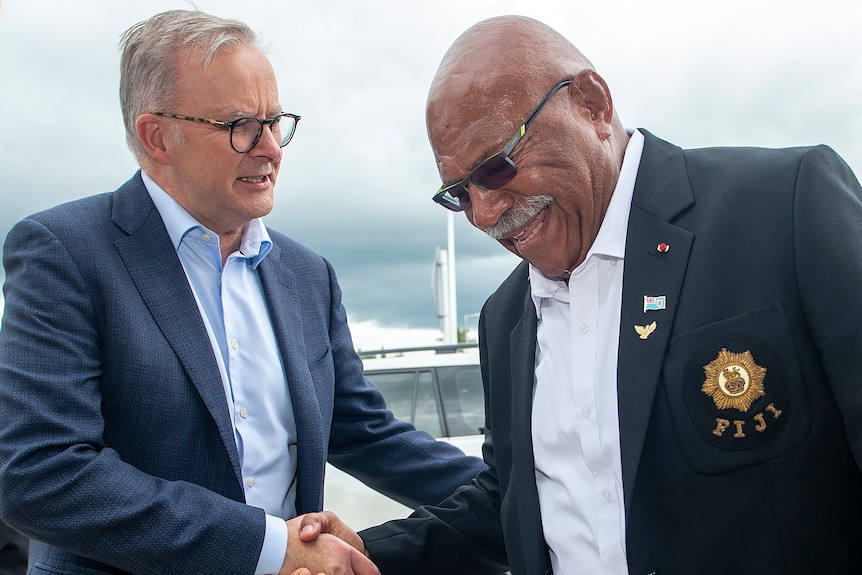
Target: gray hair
{"type": "Point", "coordinates": [148, 68]}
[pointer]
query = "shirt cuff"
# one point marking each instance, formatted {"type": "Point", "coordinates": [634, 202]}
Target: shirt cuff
{"type": "Point", "coordinates": [274, 547]}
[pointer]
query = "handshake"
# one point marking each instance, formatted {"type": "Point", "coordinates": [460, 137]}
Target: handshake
{"type": "Point", "coordinates": [320, 543]}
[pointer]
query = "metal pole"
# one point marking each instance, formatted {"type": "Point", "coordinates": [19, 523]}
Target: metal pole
{"type": "Point", "coordinates": [452, 336]}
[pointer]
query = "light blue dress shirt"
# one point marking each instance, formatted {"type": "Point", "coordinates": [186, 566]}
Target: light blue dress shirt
{"type": "Point", "coordinates": [233, 306]}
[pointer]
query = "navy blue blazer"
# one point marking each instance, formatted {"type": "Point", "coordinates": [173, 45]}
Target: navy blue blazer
{"type": "Point", "coordinates": [116, 448]}
{"type": "Point", "coordinates": [762, 274]}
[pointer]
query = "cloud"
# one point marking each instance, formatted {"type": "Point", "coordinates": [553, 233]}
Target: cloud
{"type": "Point", "coordinates": [356, 181]}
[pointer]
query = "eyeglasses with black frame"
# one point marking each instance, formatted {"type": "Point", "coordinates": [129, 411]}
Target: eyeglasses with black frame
{"type": "Point", "coordinates": [245, 131]}
{"type": "Point", "coordinates": [492, 173]}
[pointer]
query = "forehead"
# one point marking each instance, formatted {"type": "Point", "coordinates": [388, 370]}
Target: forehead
{"type": "Point", "coordinates": [238, 76]}
{"type": "Point", "coordinates": [495, 74]}
{"type": "Point", "coordinates": [470, 121]}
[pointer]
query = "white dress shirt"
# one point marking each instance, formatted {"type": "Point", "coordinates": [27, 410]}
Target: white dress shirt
{"type": "Point", "coordinates": [575, 424]}
{"type": "Point", "coordinates": [232, 304]}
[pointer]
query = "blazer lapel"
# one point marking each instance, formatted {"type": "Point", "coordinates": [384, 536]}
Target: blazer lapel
{"type": "Point", "coordinates": [522, 356]}
{"type": "Point", "coordinates": [279, 286]}
{"type": "Point", "coordinates": [155, 268]}
{"type": "Point", "coordinates": [655, 262]}
{"type": "Point", "coordinates": [522, 349]}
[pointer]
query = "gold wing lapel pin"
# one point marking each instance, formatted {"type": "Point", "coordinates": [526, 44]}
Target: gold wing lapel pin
{"type": "Point", "coordinates": [644, 331]}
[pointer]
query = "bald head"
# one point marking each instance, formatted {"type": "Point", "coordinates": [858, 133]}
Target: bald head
{"type": "Point", "coordinates": [505, 59]}
{"type": "Point", "coordinates": [554, 184]}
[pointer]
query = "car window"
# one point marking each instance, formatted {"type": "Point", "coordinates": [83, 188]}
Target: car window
{"type": "Point", "coordinates": [463, 399]}
{"type": "Point", "coordinates": [471, 398]}
{"type": "Point", "coordinates": [398, 389]}
{"type": "Point", "coordinates": [427, 415]}
{"type": "Point", "coordinates": [410, 396]}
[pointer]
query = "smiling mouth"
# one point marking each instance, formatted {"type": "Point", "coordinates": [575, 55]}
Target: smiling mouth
{"type": "Point", "coordinates": [521, 239]}
{"type": "Point", "coordinates": [254, 179]}
{"type": "Point", "coordinates": [531, 229]}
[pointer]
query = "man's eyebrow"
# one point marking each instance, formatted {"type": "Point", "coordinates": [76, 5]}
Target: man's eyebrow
{"type": "Point", "coordinates": [270, 114]}
{"type": "Point", "coordinates": [487, 153]}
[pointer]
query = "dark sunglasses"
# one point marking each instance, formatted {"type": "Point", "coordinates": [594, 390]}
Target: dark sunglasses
{"type": "Point", "coordinates": [492, 173]}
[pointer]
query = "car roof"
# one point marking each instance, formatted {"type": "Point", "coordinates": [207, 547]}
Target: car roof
{"type": "Point", "coordinates": [413, 358]}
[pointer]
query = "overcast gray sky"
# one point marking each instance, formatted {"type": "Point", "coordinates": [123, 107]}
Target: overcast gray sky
{"type": "Point", "coordinates": [355, 183]}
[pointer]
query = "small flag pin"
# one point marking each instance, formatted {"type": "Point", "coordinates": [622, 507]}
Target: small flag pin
{"type": "Point", "coordinates": [663, 248]}
{"type": "Point", "coordinates": [654, 302]}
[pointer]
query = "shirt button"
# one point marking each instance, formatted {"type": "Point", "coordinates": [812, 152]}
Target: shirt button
{"type": "Point", "coordinates": [234, 343]}
{"type": "Point", "coordinates": [250, 481]}
{"type": "Point", "coordinates": [205, 237]}
{"type": "Point", "coordinates": [606, 495]}
{"type": "Point", "coordinates": [243, 412]}
{"type": "Point", "coordinates": [585, 327]}
{"type": "Point", "coordinates": [586, 412]}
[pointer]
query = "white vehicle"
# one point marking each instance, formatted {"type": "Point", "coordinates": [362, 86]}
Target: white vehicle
{"type": "Point", "coordinates": [438, 390]}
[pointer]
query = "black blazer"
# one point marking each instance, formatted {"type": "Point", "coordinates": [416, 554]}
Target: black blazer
{"type": "Point", "coordinates": [13, 551]}
{"type": "Point", "coordinates": [739, 414]}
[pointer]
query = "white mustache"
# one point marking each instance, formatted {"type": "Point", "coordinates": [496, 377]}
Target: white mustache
{"type": "Point", "coordinates": [518, 215]}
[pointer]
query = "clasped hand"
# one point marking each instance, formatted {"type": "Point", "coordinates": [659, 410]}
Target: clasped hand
{"type": "Point", "coordinates": [320, 543]}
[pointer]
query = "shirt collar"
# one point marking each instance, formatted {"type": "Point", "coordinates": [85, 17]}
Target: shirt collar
{"type": "Point", "coordinates": [611, 239]}
{"type": "Point", "coordinates": [256, 243]}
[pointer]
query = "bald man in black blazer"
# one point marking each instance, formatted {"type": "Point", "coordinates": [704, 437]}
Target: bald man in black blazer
{"type": "Point", "coordinates": [735, 330]}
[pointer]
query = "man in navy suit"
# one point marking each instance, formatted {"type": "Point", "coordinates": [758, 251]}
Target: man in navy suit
{"type": "Point", "coordinates": [672, 374]}
{"type": "Point", "coordinates": [173, 374]}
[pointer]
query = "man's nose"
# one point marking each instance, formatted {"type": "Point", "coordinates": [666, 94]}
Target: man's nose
{"type": "Point", "coordinates": [487, 206]}
{"type": "Point", "coordinates": [268, 145]}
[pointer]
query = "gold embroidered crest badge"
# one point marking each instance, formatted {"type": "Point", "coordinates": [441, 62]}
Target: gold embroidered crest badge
{"type": "Point", "coordinates": [734, 380]}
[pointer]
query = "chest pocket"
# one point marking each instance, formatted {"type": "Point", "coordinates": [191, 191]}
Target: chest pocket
{"type": "Point", "coordinates": [736, 392]}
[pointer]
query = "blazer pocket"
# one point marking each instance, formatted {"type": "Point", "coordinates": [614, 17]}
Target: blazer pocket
{"type": "Point", "coordinates": [40, 568]}
{"type": "Point", "coordinates": [735, 391]}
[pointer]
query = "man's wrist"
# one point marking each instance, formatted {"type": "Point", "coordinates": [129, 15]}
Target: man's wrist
{"type": "Point", "coordinates": [274, 548]}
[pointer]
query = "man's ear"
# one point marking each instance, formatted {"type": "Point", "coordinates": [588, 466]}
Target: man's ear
{"type": "Point", "coordinates": [151, 131]}
{"type": "Point", "coordinates": [596, 99]}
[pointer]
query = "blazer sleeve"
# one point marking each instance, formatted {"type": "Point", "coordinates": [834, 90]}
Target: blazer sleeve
{"type": "Point", "coordinates": [367, 441]}
{"type": "Point", "coordinates": [828, 252]}
{"type": "Point", "coordinates": [462, 535]}
{"type": "Point", "coordinates": [59, 482]}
